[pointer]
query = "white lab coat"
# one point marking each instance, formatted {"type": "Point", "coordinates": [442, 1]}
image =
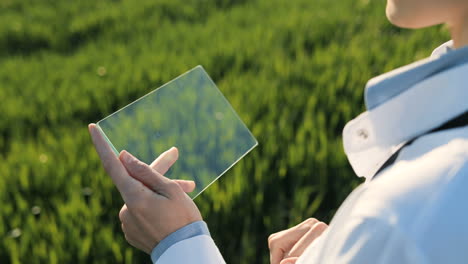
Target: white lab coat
{"type": "Point", "coordinates": [416, 210]}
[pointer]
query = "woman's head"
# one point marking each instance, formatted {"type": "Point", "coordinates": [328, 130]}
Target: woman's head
{"type": "Point", "coordinates": [424, 13]}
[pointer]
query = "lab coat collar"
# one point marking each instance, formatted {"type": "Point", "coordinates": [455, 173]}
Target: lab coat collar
{"type": "Point", "coordinates": [386, 86]}
{"type": "Point", "coordinates": [442, 49]}
{"type": "Point", "coordinates": [372, 138]}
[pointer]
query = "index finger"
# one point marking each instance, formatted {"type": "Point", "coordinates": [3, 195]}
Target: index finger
{"type": "Point", "coordinates": [307, 239]}
{"type": "Point", "coordinates": [111, 163]}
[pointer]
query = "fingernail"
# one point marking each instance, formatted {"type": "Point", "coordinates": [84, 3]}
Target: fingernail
{"type": "Point", "coordinates": [90, 127]}
{"type": "Point", "coordinates": [173, 153]}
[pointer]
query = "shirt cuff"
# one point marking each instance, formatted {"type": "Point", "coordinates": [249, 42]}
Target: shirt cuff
{"type": "Point", "coordinates": [191, 230]}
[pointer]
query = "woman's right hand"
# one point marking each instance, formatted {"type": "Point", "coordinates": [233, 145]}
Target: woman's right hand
{"type": "Point", "coordinates": [155, 206]}
{"type": "Point", "coordinates": [286, 246]}
{"type": "Point", "coordinates": [165, 161]}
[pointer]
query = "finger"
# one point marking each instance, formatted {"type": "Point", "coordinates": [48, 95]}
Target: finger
{"type": "Point", "coordinates": [145, 174]}
{"type": "Point", "coordinates": [289, 260]}
{"type": "Point", "coordinates": [112, 165]}
{"type": "Point", "coordinates": [307, 239]}
{"type": "Point", "coordinates": [281, 243]}
{"type": "Point", "coordinates": [274, 258]}
{"type": "Point", "coordinates": [187, 186]}
{"type": "Point", "coordinates": [276, 255]}
{"type": "Point", "coordinates": [124, 214]}
{"type": "Point", "coordinates": [165, 160]}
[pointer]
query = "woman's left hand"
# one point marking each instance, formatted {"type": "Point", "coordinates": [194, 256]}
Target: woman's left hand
{"type": "Point", "coordinates": [286, 246]}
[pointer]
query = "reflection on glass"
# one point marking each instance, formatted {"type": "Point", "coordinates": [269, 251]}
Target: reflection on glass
{"type": "Point", "coordinates": [190, 113]}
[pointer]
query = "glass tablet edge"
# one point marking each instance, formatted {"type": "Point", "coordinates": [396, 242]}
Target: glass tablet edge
{"type": "Point", "coordinates": [158, 88]}
{"type": "Point", "coordinates": [107, 139]}
{"type": "Point", "coordinates": [232, 165]}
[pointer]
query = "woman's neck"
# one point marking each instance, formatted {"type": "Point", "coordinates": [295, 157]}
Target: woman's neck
{"type": "Point", "coordinates": [459, 32]}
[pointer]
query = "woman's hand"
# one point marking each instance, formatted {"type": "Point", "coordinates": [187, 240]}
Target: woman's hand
{"type": "Point", "coordinates": [155, 206]}
{"type": "Point", "coordinates": [286, 246]}
{"type": "Point", "coordinates": [165, 161]}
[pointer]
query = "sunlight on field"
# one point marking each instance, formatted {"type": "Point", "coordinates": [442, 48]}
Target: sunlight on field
{"type": "Point", "coordinates": [293, 70]}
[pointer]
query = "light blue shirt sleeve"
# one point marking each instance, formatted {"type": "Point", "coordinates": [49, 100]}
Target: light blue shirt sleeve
{"type": "Point", "coordinates": [191, 230]}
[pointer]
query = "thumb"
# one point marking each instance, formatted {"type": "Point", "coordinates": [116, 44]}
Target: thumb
{"type": "Point", "coordinates": [145, 174]}
{"type": "Point", "coordinates": [165, 161]}
{"type": "Point", "coordinates": [289, 260]}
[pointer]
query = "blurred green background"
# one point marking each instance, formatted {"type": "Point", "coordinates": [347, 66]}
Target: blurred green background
{"type": "Point", "coordinates": [294, 71]}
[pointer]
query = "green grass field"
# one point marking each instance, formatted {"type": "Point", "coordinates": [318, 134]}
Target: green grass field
{"type": "Point", "coordinates": [294, 71]}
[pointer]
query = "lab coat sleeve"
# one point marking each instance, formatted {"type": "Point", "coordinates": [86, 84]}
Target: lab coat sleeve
{"type": "Point", "coordinates": [373, 240]}
{"type": "Point", "coordinates": [189, 244]}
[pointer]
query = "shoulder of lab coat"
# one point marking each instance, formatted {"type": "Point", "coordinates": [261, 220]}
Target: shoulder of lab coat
{"type": "Point", "coordinates": [195, 250]}
{"type": "Point", "coordinates": [415, 212]}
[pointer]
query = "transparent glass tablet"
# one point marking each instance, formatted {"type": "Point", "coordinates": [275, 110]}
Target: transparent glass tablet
{"type": "Point", "coordinates": [190, 113]}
